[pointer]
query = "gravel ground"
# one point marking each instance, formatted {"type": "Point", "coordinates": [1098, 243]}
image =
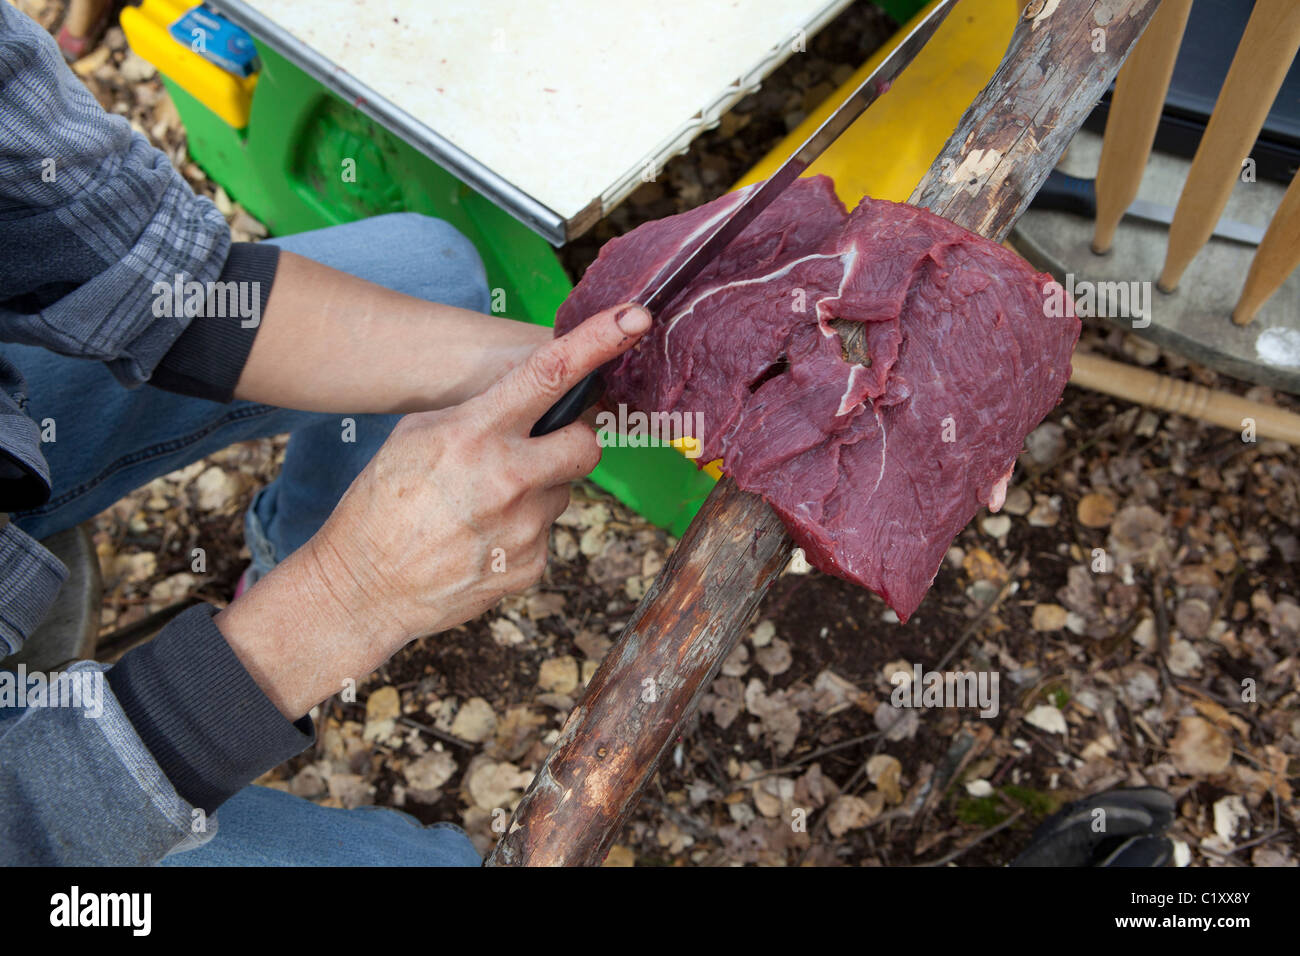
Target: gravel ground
{"type": "Point", "coordinates": [1176, 665]}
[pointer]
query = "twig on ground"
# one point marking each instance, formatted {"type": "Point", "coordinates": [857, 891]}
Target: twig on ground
{"type": "Point", "coordinates": [991, 831]}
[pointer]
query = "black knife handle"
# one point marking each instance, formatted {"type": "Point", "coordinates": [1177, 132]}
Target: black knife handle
{"type": "Point", "coordinates": [570, 406]}
{"type": "Point", "coordinates": [1065, 193]}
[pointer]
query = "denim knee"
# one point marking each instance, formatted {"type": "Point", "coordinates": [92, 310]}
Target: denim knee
{"type": "Point", "coordinates": [403, 251]}
{"type": "Point", "coordinates": [443, 263]}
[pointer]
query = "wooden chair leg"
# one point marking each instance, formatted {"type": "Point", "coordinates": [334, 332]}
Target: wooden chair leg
{"type": "Point", "coordinates": [1277, 256]}
{"type": "Point", "coordinates": [1183, 398]}
{"type": "Point", "coordinates": [81, 26]}
{"type": "Point", "coordinates": [1134, 114]}
{"type": "Point", "coordinates": [1260, 64]}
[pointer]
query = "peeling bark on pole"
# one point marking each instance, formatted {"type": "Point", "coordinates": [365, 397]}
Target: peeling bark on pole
{"type": "Point", "coordinates": [651, 681]}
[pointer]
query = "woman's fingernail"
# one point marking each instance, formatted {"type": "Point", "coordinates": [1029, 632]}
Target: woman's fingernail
{"type": "Point", "coordinates": [633, 319]}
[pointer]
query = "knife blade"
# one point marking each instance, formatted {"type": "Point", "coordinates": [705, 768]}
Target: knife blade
{"type": "Point", "coordinates": [1074, 194]}
{"type": "Point", "coordinates": [585, 394]}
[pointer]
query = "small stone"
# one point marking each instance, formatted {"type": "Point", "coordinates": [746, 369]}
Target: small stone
{"type": "Point", "coordinates": [1144, 635]}
{"type": "Point", "coordinates": [981, 593]}
{"type": "Point", "coordinates": [1096, 510]}
{"type": "Point", "coordinates": [1284, 618]}
{"type": "Point", "coordinates": [383, 707]}
{"type": "Point", "coordinates": [1045, 443]}
{"type": "Point", "coordinates": [566, 546]}
{"type": "Point", "coordinates": [848, 812]}
{"type": "Point", "coordinates": [884, 771]}
{"type": "Point", "coordinates": [544, 604]}
{"type": "Point", "coordinates": [979, 788]}
{"type": "Point", "coordinates": [1183, 659]}
{"type": "Point", "coordinates": [307, 782]}
{"type": "Point", "coordinates": [775, 658]}
{"type": "Point", "coordinates": [1018, 502]}
{"type": "Point", "coordinates": [1193, 618]}
{"type": "Point", "coordinates": [897, 673]}
{"type": "Point", "coordinates": [430, 771]}
{"type": "Point", "coordinates": [1047, 718]}
{"type": "Point", "coordinates": [134, 568]}
{"type": "Point", "coordinates": [172, 589]}
{"type": "Point", "coordinates": [996, 526]}
{"type": "Point", "coordinates": [135, 68]}
{"type": "Point", "coordinates": [592, 644]}
{"type": "Point", "coordinates": [619, 855]}
{"type": "Point", "coordinates": [1147, 424]}
{"type": "Point", "coordinates": [762, 634]}
{"type": "Point", "coordinates": [247, 226]}
{"type": "Point", "coordinates": [982, 566]}
{"type": "Point", "coordinates": [216, 489]}
{"type": "Point", "coordinates": [350, 790]}
{"type": "Point", "coordinates": [1230, 814]}
{"type": "Point", "coordinates": [737, 662]}
{"type": "Point", "coordinates": [592, 541]}
{"type": "Point", "coordinates": [492, 785]}
{"type": "Point", "coordinates": [898, 723]}
{"type": "Point", "coordinates": [559, 675]}
{"type": "Point", "coordinates": [651, 562]}
{"type": "Point", "coordinates": [1138, 533]}
{"type": "Point", "coordinates": [475, 722]}
{"type": "Point", "coordinates": [506, 632]}
{"type": "Point", "coordinates": [1045, 513]}
{"type": "Point", "coordinates": [1140, 350]}
{"type": "Point", "coordinates": [741, 813]}
{"type": "Point", "coordinates": [1049, 617]}
{"type": "Point", "coordinates": [222, 201]}
{"type": "Point", "coordinates": [1199, 748]}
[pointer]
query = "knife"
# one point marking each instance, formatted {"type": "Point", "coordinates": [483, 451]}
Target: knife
{"type": "Point", "coordinates": [1065, 193]}
{"type": "Point", "coordinates": [583, 395]}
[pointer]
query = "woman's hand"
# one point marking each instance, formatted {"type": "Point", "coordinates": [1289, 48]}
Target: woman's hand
{"type": "Point", "coordinates": [452, 514]}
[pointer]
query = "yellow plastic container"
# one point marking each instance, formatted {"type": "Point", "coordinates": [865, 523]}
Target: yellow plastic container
{"type": "Point", "coordinates": [886, 152]}
{"type": "Point", "coordinates": [147, 30]}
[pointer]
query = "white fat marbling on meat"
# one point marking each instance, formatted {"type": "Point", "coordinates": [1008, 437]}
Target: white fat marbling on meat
{"type": "Point", "coordinates": [850, 255]}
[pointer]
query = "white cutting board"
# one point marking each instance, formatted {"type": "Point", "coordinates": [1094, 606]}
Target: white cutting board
{"type": "Point", "coordinates": [569, 102]}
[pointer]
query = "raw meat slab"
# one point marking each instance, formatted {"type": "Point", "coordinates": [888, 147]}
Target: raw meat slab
{"type": "Point", "coordinates": [873, 469]}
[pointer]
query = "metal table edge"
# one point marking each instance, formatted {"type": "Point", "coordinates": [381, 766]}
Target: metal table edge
{"type": "Point", "coordinates": [532, 213]}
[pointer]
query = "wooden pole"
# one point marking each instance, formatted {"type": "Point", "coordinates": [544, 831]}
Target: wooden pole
{"type": "Point", "coordinates": [1183, 398]}
{"type": "Point", "coordinates": [1258, 68]}
{"type": "Point", "coordinates": [1004, 147]}
{"type": "Point", "coordinates": [1135, 110]}
{"type": "Point", "coordinates": [1275, 259]}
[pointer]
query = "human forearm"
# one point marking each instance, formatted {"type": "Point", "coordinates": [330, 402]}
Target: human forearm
{"type": "Point", "coordinates": [332, 342]}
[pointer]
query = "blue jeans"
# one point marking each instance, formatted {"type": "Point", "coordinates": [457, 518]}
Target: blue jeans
{"type": "Point", "coordinates": [112, 440]}
{"type": "Point", "coordinates": [263, 827]}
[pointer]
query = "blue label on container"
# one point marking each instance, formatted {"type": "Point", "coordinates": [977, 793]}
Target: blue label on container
{"type": "Point", "coordinates": [217, 40]}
